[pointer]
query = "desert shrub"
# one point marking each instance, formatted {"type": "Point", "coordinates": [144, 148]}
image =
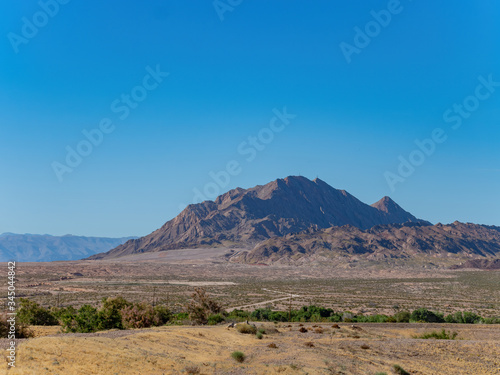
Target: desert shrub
{"type": "Point", "coordinates": [19, 330]}
{"type": "Point", "coordinates": [278, 316]}
{"type": "Point", "coordinates": [84, 320]}
{"type": "Point", "coordinates": [261, 330]}
{"type": "Point", "coordinates": [335, 318]}
{"type": "Point", "coordinates": [312, 314]}
{"type": "Point", "coordinates": [110, 316]}
{"type": "Point", "coordinates": [272, 345]}
{"type": "Point", "coordinates": [303, 329]}
{"type": "Point", "coordinates": [399, 370]}
{"type": "Point", "coordinates": [495, 320]}
{"type": "Point", "coordinates": [143, 315]}
{"type": "Point", "coordinates": [261, 314]}
{"type": "Point", "coordinates": [259, 335]}
{"type": "Point", "coordinates": [443, 335]}
{"type": "Point", "coordinates": [202, 306]}
{"type": "Point", "coordinates": [370, 318]}
{"type": "Point", "coordinates": [465, 317]}
{"type": "Point", "coordinates": [32, 313]}
{"type": "Point", "coordinates": [192, 370]}
{"type": "Point", "coordinates": [239, 315]}
{"type": "Point", "coordinates": [309, 344]}
{"type": "Point", "coordinates": [427, 316]}
{"type": "Point", "coordinates": [215, 319]}
{"type": "Point", "coordinates": [319, 330]}
{"type": "Point", "coordinates": [402, 317]}
{"type": "Point", "coordinates": [381, 373]}
{"type": "Point", "coordinates": [347, 317]}
{"type": "Point", "coordinates": [238, 356]}
{"type": "Point", "coordinates": [246, 329]}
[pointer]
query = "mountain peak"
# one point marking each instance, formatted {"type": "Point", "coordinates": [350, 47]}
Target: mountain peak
{"type": "Point", "coordinates": [386, 204]}
{"type": "Point", "coordinates": [245, 217]}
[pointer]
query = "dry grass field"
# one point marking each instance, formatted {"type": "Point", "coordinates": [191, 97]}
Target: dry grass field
{"type": "Point", "coordinates": [369, 349]}
{"type": "Point", "coordinates": [170, 277]}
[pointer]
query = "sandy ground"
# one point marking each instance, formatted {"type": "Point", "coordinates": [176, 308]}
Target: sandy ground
{"type": "Point", "coordinates": [369, 349]}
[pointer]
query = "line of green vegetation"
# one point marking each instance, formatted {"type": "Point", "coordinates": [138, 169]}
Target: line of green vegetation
{"type": "Point", "coordinates": [118, 313]}
{"type": "Point", "coordinates": [442, 335]}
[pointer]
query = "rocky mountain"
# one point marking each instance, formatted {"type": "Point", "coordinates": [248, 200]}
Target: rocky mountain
{"type": "Point", "coordinates": [480, 264]}
{"type": "Point", "coordinates": [45, 248]}
{"type": "Point", "coordinates": [245, 217]}
{"type": "Point", "coordinates": [393, 241]}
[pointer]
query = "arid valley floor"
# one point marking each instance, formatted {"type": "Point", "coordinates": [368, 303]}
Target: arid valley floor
{"type": "Point", "coordinates": [170, 277]}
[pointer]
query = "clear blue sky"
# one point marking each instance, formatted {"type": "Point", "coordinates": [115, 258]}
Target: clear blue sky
{"type": "Point", "coordinates": [353, 119]}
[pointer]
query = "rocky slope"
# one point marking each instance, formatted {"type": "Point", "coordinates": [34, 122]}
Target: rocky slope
{"type": "Point", "coordinates": [245, 217]}
{"type": "Point", "coordinates": [45, 248]}
{"type": "Point", "coordinates": [394, 241]}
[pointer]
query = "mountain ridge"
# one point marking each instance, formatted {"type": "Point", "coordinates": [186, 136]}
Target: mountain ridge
{"type": "Point", "coordinates": [382, 241]}
{"type": "Point", "coordinates": [245, 217]}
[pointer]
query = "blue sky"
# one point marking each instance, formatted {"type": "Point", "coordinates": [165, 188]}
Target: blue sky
{"type": "Point", "coordinates": [231, 69]}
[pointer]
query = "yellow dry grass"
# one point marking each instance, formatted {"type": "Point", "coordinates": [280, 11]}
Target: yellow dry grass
{"type": "Point", "coordinates": [173, 350]}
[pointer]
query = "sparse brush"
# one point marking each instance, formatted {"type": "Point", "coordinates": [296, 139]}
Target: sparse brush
{"type": "Point", "coordinates": [21, 330]}
{"type": "Point", "coordinates": [364, 346]}
{"type": "Point", "coordinates": [192, 370]}
{"type": "Point", "coordinates": [303, 330]}
{"type": "Point", "coordinates": [201, 308]}
{"type": "Point", "coordinates": [336, 326]}
{"type": "Point", "coordinates": [259, 335]}
{"type": "Point", "coordinates": [238, 356]}
{"type": "Point", "coordinates": [443, 335]}
{"type": "Point", "coordinates": [246, 328]}
{"type": "Point", "coordinates": [272, 345]}
{"type": "Point", "coordinates": [318, 330]}
{"type": "Point", "coordinates": [309, 344]}
{"type": "Point", "coordinates": [397, 369]}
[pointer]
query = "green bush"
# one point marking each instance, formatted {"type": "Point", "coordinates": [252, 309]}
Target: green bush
{"type": "Point", "coordinates": [463, 318]}
{"type": "Point", "coordinates": [495, 320]}
{"type": "Point", "coordinates": [443, 335]}
{"type": "Point", "coordinates": [238, 356]}
{"type": "Point", "coordinates": [110, 316]}
{"type": "Point", "coordinates": [402, 317]}
{"type": "Point", "coordinates": [215, 319]}
{"type": "Point", "coordinates": [426, 316]}
{"type": "Point", "coordinates": [259, 335]}
{"type": "Point", "coordinates": [399, 370]}
{"type": "Point", "coordinates": [238, 315]}
{"type": "Point", "coordinates": [84, 320]}
{"type": "Point", "coordinates": [31, 313]}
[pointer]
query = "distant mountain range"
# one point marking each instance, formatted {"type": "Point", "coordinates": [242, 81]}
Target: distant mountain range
{"type": "Point", "coordinates": [46, 248]}
{"type": "Point", "coordinates": [244, 218]}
